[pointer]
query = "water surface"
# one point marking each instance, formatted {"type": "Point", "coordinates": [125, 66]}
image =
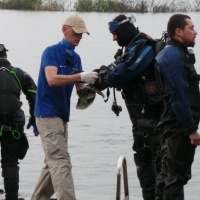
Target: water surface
{"type": "Point", "coordinates": [96, 136]}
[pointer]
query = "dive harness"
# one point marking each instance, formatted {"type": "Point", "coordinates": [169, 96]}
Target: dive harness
{"type": "Point", "coordinates": [16, 134]}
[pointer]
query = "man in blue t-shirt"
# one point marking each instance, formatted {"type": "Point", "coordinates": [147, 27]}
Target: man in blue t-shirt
{"type": "Point", "coordinates": [60, 69]}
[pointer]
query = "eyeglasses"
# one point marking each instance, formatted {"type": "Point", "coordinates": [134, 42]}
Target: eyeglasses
{"type": "Point", "coordinates": [115, 24]}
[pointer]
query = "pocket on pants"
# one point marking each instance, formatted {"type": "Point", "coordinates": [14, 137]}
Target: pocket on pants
{"type": "Point", "coordinates": [146, 131]}
{"type": "Point", "coordinates": [24, 145]}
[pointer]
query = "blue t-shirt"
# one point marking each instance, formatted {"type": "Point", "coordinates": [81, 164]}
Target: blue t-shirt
{"type": "Point", "coordinates": [55, 101]}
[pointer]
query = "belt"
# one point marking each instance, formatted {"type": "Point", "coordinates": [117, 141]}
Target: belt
{"type": "Point", "coordinates": [6, 128]}
{"type": "Point", "coordinates": [16, 134]}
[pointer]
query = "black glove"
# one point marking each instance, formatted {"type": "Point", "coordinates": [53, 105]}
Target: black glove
{"type": "Point", "coordinates": [101, 82]}
{"type": "Point", "coordinates": [118, 54]}
{"type": "Point", "coordinates": [32, 123]}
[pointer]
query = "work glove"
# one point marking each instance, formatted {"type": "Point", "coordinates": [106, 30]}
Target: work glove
{"type": "Point", "coordinates": [32, 123]}
{"type": "Point", "coordinates": [89, 77]}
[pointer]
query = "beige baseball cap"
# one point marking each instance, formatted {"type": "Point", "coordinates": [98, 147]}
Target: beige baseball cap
{"type": "Point", "coordinates": [76, 23]}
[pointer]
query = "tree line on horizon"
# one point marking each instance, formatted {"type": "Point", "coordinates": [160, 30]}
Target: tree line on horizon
{"type": "Point", "coordinates": [137, 6]}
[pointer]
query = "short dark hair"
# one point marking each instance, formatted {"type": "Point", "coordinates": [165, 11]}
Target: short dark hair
{"type": "Point", "coordinates": [176, 21]}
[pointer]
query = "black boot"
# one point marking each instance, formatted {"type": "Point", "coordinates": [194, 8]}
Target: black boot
{"type": "Point", "coordinates": [11, 182]}
{"type": "Point", "coordinates": [146, 173]}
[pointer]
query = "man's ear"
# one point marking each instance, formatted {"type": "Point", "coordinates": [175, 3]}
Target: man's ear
{"type": "Point", "coordinates": [178, 32]}
{"type": "Point", "coordinates": [64, 29]}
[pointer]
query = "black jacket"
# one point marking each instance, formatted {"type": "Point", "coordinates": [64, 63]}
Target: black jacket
{"type": "Point", "coordinates": [24, 83]}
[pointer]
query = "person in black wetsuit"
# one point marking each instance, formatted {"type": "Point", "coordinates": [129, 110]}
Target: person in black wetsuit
{"type": "Point", "coordinates": [179, 83]}
{"type": "Point", "coordinates": [14, 143]}
{"type": "Point", "coordinates": [132, 72]}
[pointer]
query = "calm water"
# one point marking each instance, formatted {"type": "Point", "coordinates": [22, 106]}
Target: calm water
{"type": "Point", "coordinates": [96, 136]}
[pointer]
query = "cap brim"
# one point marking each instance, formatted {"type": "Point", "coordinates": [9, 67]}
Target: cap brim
{"type": "Point", "coordinates": [80, 30]}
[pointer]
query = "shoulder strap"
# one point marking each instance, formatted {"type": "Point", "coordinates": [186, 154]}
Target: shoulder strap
{"type": "Point", "coordinates": [162, 42]}
{"type": "Point", "coordinates": [13, 73]}
{"type": "Point", "coordinates": [136, 50]}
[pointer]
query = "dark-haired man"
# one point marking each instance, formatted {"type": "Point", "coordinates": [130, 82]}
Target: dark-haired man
{"type": "Point", "coordinates": [179, 123]}
{"type": "Point", "coordinates": [133, 73]}
{"type": "Point", "coordinates": [13, 141]}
